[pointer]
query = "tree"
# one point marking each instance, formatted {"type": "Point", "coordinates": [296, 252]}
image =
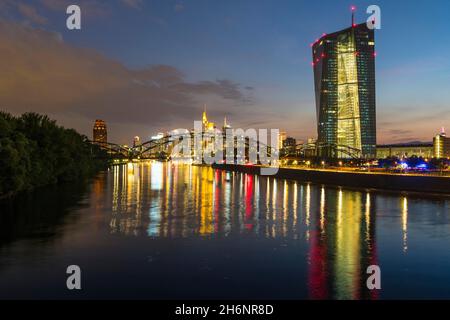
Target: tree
{"type": "Point", "coordinates": [35, 151]}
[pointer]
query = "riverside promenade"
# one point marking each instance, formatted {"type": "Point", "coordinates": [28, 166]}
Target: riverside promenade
{"type": "Point", "coordinates": [414, 182]}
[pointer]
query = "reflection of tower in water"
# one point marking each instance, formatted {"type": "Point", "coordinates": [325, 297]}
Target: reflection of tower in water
{"type": "Point", "coordinates": [342, 246]}
{"type": "Point", "coordinates": [185, 201]}
{"type": "Point", "coordinates": [405, 223]}
{"type": "Point", "coordinates": [126, 198]}
{"type": "Point", "coordinates": [248, 202]}
{"type": "Point", "coordinates": [204, 196]}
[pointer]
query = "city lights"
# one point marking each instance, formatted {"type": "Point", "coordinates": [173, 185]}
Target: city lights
{"type": "Point", "coordinates": [183, 153]}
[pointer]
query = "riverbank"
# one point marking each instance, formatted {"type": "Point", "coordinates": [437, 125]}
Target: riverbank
{"type": "Point", "coordinates": [368, 180]}
{"type": "Point", "coordinates": [36, 152]}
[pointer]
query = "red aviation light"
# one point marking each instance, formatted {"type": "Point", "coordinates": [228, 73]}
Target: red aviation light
{"type": "Point", "coordinates": [353, 8]}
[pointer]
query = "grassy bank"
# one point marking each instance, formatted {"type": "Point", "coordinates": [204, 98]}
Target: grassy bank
{"type": "Point", "coordinates": [35, 151]}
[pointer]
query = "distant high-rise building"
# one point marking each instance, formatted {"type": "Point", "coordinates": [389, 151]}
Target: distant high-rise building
{"type": "Point", "coordinates": [226, 125]}
{"type": "Point", "coordinates": [344, 76]}
{"type": "Point", "coordinates": [441, 145]}
{"type": "Point", "coordinates": [309, 148]}
{"type": "Point", "coordinates": [207, 126]}
{"type": "Point", "coordinates": [136, 141]}
{"type": "Point", "coordinates": [289, 146]}
{"type": "Point", "coordinates": [281, 138]}
{"type": "Point", "coordinates": [100, 134]}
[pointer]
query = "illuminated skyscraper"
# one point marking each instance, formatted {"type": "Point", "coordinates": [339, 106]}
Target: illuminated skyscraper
{"type": "Point", "coordinates": [441, 145]}
{"type": "Point", "coordinates": [281, 137]}
{"type": "Point", "coordinates": [100, 135]}
{"type": "Point", "coordinates": [207, 126]}
{"type": "Point", "coordinates": [226, 125]}
{"type": "Point", "coordinates": [136, 141]}
{"type": "Point", "coordinates": [344, 76]}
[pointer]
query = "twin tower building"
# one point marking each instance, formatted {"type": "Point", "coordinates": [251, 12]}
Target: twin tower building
{"type": "Point", "coordinates": [344, 76]}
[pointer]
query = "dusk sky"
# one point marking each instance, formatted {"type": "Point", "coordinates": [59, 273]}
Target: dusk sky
{"type": "Point", "coordinates": [150, 66]}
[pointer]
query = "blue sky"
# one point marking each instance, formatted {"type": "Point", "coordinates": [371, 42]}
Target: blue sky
{"type": "Point", "coordinates": [264, 45]}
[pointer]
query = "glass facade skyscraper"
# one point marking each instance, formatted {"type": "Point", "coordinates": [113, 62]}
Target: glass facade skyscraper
{"type": "Point", "coordinates": [344, 76]}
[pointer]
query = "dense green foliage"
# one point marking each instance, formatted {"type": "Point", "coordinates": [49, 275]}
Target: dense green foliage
{"type": "Point", "coordinates": [35, 151]}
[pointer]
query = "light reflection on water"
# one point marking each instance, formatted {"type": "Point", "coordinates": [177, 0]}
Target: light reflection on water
{"type": "Point", "coordinates": [235, 236]}
{"type": "Point", "coordinates": [184, 200]}
{"type": "Point", "coordinates": [189, 201]}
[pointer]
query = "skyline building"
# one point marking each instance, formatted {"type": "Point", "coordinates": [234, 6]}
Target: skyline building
{"type": "Point", "coordinates": [290, 146]}
{"type": "Point", "coordinates": [282, 135]}
{"type": "Point", "coordinates": [344, 80]}
{"type": "Point", "coordinates": [207, 125]}
{"type": "Point", "coordinates": [405, 150]}
{"type": "Point", "coordinates": [136, 141]}
{"type": "Point", "coordinates": [100, 133]}
{"type": "Point", "coordinates": [441, 145]}
{"type": "Point", "coordinates": [226, 125]}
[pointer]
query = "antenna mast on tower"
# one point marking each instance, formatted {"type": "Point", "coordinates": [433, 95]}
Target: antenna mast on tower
{"type": "Point", "coordinates": [353, 9]}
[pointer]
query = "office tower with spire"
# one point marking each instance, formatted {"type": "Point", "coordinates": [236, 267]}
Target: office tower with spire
{"type": "Point", "coordinates": [207, 126]}
{"type": "Point", "coordinates": [344, 79]}
{"type": "Point", "coordinates": [226, 125]}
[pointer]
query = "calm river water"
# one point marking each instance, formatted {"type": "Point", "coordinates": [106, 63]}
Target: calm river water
{"type": "Point", "coordinates": [163, 230]}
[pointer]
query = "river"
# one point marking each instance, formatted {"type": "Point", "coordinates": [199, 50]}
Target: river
{"type": "Point", "coordinates": [175, 231]}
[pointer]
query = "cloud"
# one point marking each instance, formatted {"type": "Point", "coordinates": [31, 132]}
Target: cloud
{"type": "Point", "coordinates": [179, 7]}
{"type": "Point", "coordinates": [136, 4]}
{"type": "Point", "coordinates": [55, 4]}
{"type": "Point", "coordinates": [12, 9]}
{"type": "Point", "coordinates": [224, 88]}
{"type": "Point", "coordinates": [401, 135]}
{"type": "Point", "coordinates": [158, 21]}
{"type": "Point", "coordinates": [31, 13]}
{"type": "Point", "coordinates": [42, 73]}
{"type": "Point", "coordinates": [89, 8]}
{"type": "Point", "coordinates": [399, 132]}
